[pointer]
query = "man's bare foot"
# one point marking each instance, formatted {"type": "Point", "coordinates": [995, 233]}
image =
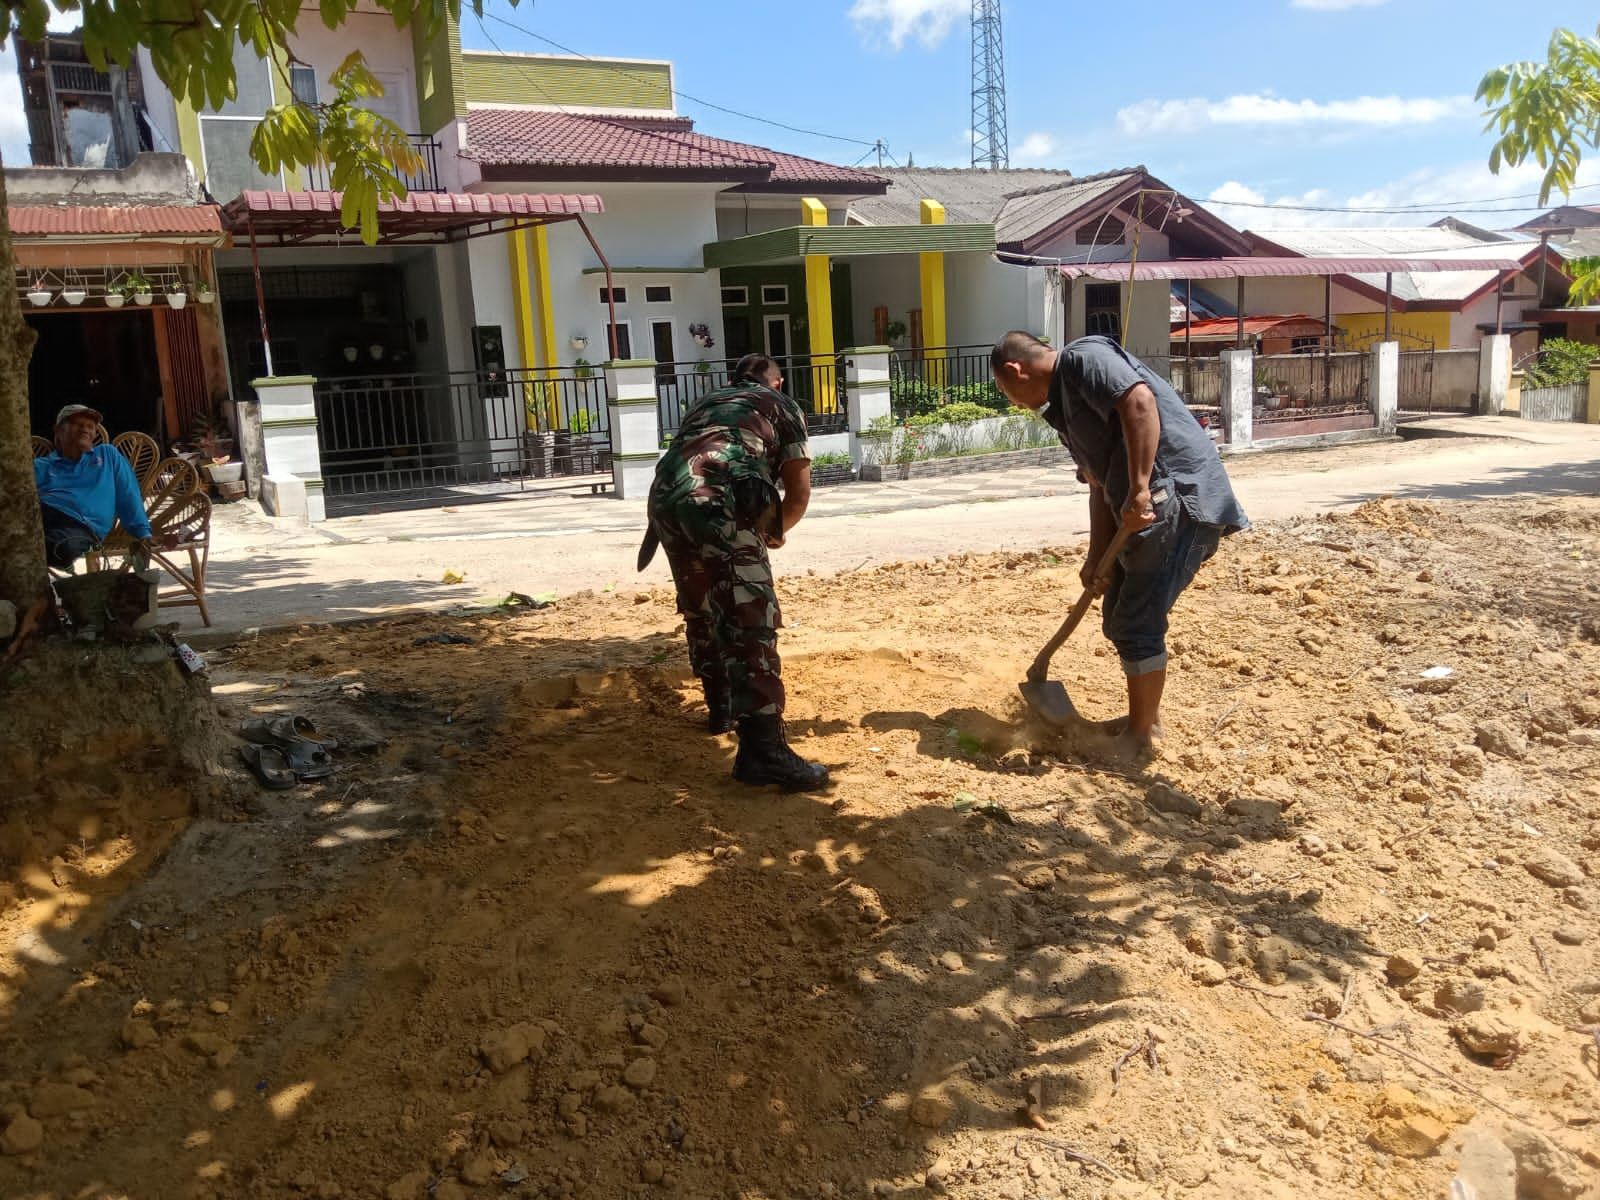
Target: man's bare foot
{"type": "Point", "coordinates": [1117, 727]}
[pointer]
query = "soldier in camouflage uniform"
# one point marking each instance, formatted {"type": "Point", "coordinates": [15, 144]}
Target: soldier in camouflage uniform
{"type": "Point", "coordinates": [716, 510]}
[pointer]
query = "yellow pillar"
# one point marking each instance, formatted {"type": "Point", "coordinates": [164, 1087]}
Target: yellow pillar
{"type": "Point", "coordinates": [819, 310]}
{"type": "Point", "coordinates": [540, 237]}
{"type": "Point", "coordinates": [932, 270]}
{"type": "Point", "coordinates": [1592, 416]}
{"type": "Point", "coordinates": [521, 308]}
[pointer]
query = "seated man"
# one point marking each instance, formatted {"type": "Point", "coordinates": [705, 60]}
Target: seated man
{"type": "Point", "coordinates": [83, 489]}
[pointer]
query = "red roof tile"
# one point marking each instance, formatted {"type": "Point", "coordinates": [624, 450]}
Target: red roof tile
{"type": "Point", "coordinates": [515, 138]}
{"type": "Point", "coordinates": [80, 221]}
{"type": "Point", "coordinates": [491, 204]}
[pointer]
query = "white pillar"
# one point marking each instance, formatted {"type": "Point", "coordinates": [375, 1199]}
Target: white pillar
{"type": "Point", "coordinates": [1494, 373]}
{"type": "Point", "coordinates": [292, 486]}
{"type": "Point", "coordinates": [635, 425]}
{"type": "Point", "coordinates": [1239, 398]}
{"type": "Point", "coordinates": [866, 386]}
{"type": "Point", "coordinates": [1383, 385]}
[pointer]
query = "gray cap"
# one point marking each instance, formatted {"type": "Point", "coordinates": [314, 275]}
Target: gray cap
{"type": "Point", "coordinates": [73, 410]}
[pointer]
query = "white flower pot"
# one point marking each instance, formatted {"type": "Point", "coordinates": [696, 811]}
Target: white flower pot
{"type": "Point", "coordinates": [207, 297]}
{"type": "Point", "coordinates": [74, 296]}
{"type": "Point", "coordinates": [177, 299]}
{"type": "Point", "coordinates": [39, 297]}
{"type": "Point", "coordinates": [143, 298]}
{"type": "Point", "coordinates": [115, 300]}
{"type": "Point", "coordinates": [228, 472]}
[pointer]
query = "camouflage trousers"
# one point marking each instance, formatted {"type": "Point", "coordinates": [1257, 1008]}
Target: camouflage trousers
{"type": "Point", "coordinates": [730, 610]}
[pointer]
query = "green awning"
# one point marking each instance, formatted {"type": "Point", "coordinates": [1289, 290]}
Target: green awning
{"type": "Point", "coordinates": [841, 241]}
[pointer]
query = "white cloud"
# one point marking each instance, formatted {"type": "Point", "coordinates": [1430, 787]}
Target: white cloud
{"type": "Point", "coordinates": [893, 21]}
{"type": "Point", "coordinates": [1150, 117]}
{"type": "Point", "coordinates": [1034, 149]}
{"type": "Point", "coordinates": [1335, 5]}
{"type": "Point", "coordinates": [1466, 190]}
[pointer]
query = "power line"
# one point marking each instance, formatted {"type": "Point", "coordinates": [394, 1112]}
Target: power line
{"type": "Point", "coordinates": [1398, 209]}
{"type": "Point", "coordinates": [733, 112]}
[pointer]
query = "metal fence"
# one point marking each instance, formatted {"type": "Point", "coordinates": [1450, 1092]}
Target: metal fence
{"type": "Point", "coordinates": [1568, 402]}
{"type": "Point", "coordinates": [1292, 386]}
{"type": "Point", "coordinates": [412, 440]}
{"type": "Point", "coordinates": [925, 377]}
{"type": "Point", "coordinates": [815, 383]}
{"type": "Point", "coordinates": [319, 176]}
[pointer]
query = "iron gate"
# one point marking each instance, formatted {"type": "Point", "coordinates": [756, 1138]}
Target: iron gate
{"type": "Point", "coordinates": [403, 441]}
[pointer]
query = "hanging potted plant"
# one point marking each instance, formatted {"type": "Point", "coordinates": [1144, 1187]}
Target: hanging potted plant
{"type": "Point", "coordinates": [140, 289]}
{"type": "Point", "coordinates": [38, 294]}
{"type": "Point", "coordinates": [701, 333]}
{"type": "Point", "coordinates": [895, 332]}
{"type": "Point", "coordinates": [74, 293]}
{"type": "Point", "coordinates": [116, 295]}
{"type": "Point", "coordinates": [202, 293]}
{"type": "Point", "coordinates": [581, 368]}
{"type": "Point", "coordinates": [177, 294]}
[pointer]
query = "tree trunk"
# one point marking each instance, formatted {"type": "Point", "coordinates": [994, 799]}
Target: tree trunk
{"type": "Point", "coordinates": [23, 577]}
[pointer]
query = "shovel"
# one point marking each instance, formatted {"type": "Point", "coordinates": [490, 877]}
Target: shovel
{"type": "Point", "coordinates": [1046, 696]}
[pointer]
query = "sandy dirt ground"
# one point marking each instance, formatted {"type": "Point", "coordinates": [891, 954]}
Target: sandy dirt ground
{"type": "Point", "coordinates": [530, 940]}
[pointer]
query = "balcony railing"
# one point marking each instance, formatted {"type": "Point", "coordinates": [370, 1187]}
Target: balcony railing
{"type": "Point", "coordinates": [426, 179]}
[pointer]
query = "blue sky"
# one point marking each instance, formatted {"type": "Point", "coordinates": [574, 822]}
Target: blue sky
{"type": "Point", "coordinates": [1323, 103]}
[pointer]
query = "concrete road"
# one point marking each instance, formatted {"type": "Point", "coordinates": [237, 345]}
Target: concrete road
{"type": "Point", "coordinates": [268, 573]}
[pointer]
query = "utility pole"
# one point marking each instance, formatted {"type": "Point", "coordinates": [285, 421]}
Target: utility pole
{"type": "Point", "coordinates": [879, 147]}
{"type": "Point", "coordinates": [989, 142]}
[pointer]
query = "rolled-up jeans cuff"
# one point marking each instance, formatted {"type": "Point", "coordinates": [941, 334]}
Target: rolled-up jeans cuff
{"type": "Point", "coordinates": [1145, 666]}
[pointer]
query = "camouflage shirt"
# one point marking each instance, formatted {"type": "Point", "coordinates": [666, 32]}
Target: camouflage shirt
{"type": "Point", "coordinates": [738, 435]}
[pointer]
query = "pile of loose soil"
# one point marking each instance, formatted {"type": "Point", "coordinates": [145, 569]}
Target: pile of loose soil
{"type": "Point", "coordinates": [531, 940]}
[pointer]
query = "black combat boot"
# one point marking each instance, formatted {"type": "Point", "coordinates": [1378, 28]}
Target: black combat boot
{"type": "Point", "coordinates": [764, 757]}
{"type": "Point", "coordinates": [719, 705]}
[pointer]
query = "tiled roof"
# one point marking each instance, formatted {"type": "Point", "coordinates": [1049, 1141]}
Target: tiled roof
{"type": "Point", "coordinates": [573, 142]}
{"type": "Point", "coordinates": [489, 204]}
{"type": "Point", "coordinates": [66, 220]}
{"type": "Point", "coordinates": [789, 168]}
{"type": "Point", "coordinates": [969, 196]}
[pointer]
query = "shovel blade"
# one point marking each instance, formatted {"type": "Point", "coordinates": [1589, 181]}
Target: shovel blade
{"type": "Point", "coordinates": [1049, 700]}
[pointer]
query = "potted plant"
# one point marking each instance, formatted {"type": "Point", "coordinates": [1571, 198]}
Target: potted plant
{"type": "Point", "coordinates": [581, 368]}
{"type": "Point", "coordinates": [895, 332]}
{"type": "Point", "coordinates": [140, 289]}
{"type": "Point", "coordinates": [701, 333]}
{"type": "Point", "coordinates": [177, 294]}
{"type": "Point", "coordinates": [202, 292]}
{"type": "Point", "coordinates": [38, 294]}
{"type": "Point", "coordinates": [74, 293]}
{"type": "Point", "coordinates": [116, 295]}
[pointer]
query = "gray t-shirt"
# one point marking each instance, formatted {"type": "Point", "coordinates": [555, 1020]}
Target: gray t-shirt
{"type": "Point", "coordinates": [1091, 375]}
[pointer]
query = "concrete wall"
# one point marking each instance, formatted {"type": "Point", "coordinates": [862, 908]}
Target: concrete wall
{"type": "Point", "coordinates": [644, 225]}
{"type": "Point", "coordinates": [160, 179]}
{"type": "Point", "coordinates": [984, 298]}
{"type": "Point", "coordinates": [1455, 376]}
{"type": "Point", "coordinates": [739, 215]}
{"type": "Point", "coordinates": [891, 280]}
{"type": "Point", "coordinates": [390, 55]}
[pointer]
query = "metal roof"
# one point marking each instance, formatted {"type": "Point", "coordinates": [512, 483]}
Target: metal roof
{"type": "Point", "coordinates": [297, 217]}
{"type": "Point", "coordinates": [121, 223]}
{"type": "Point", "coordinates": [1253, 268]}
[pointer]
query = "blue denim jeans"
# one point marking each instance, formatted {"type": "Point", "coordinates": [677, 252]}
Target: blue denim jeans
{"type": "Point", "coordinates": [1149, 576]}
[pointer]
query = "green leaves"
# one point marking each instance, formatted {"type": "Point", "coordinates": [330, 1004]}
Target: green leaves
{"type": "Point", "coordinates": [1548, 112]}
{"type": "Point", "coordinates": [1585, 280]}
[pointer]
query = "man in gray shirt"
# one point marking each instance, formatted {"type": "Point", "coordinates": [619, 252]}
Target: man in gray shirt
{"type": "Point", "coordinates": [1151, 469]}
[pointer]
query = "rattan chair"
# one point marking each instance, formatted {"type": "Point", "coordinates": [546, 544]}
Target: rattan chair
{"type": "Point", "coordinates": [179, 514]}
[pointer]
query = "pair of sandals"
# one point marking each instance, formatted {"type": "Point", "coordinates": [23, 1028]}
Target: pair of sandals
{"type": "Point", "coordinates": [285, 750]}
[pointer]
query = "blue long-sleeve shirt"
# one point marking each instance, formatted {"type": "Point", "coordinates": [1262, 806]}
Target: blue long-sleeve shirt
{"type": "Point", "coordinates": [96, 490]}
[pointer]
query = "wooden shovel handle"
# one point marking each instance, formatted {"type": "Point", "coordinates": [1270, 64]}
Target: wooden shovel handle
{"type": "Point", "coordinates": [1041, 664]}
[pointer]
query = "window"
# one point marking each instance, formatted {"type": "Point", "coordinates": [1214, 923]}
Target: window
{"type": "Point", "coordinates": [735, 295]}
{"type": "Point", "coordinates": [614, 295]}
{"type": "Point", "coordinates": [225, 134]}
{"type": "Point", "coordinates": [303, 84]}
{"type": "Point", "coordinates": [624, 339]}
{"type": "Point", "coordinates": [774, 293]}
{"type": "Point", "coordinates": [1305, 345]}
{"type": "Point", "coordinates": [1106, 232]}
{"type": "Point", "coordinates": [661, 344]}
{"type": "Point", "coordinates": [661, 294]}
{"type": "Point", "coordinates": [1102, 309]}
